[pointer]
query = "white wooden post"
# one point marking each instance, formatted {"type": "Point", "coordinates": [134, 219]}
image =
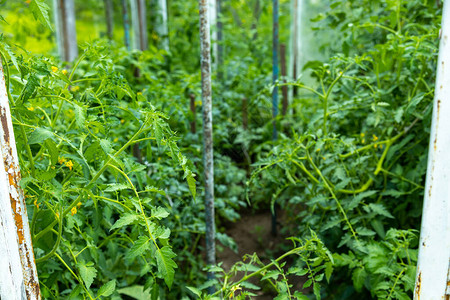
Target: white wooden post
{"type": "Point", "coordinates": [433, 269]}
{"type": "Point", "coordinates": [18, 275]}
{"type": "Point", "coordinates": [162, 27]}
{"type": "Point", "coordinates": [66, 33]}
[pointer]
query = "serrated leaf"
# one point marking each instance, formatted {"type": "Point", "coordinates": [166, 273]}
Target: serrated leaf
{"type": "Point", "coordinates": [39, 135]}
{"type": "Point", "coordinates": [106, 146]}
{"type": "Point", "coordinates": [307, 283]}
{"type": "Point", "coordinates": [28, 89]}
{"type": "Point", "coordinates": [195, 291]}
{"type": "Point", "coordinates": [40, 12]}
{"type": "Point", "coordinates": [80, 115]}
{"type": "Point", "coordinates": [328, 270]}
{"type": "Point", "coordinates": [124, 220]}
{"type": "Point", "coordinates": [166, 265]}
{"type": "Point", "coordinates": [139, 247]}
{"type": "Point", "coordinates": [191, 183]}
{"type": "Point", "coordinates": [316, 289]}
{"type": "Point", "coordinates": [114, 187]}
{"type": "Point", "coordinates": [380, 209]}
{"type": "Point", "coordinates": [52, 150]}
{"type": "Point", "coordinates": [358, 277]}
{"type": "Point", "coordinates": [159, 213]}
{"type": "Point", "coordinates": [87, 273]}
{"type": "Point", "coordinates": [107, 289]}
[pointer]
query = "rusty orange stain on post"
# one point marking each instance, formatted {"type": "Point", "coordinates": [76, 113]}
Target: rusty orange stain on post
{"type": "Point", "coordinates": [16, 195]}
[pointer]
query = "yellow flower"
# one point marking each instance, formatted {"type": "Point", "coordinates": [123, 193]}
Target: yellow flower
{"type": "Point", "coordinates": [362, 134]}
{"type": "Point", "coordinates": [36, 204]}
{"type": "Point", "coordinates": [54, 69]}
{"type": "Point", "coordinates": [69, 164]}
{"type": "Point", "coordinates": [64, 72]}
{"type": "Point", "coordinates": [75, 88]}
{"type": "Point", "coordinates": [139, 93]}
{"type": "Point", "coordinates": [31, 108]}
{"type": "Point", "coordinates": [28, 1]}
{"type": "Point", "coordinates": [318, 150]}
{"type": "Point", "coordinates": [79, 204]}
{"type": "Point", "coordinates": [122, 121]}
{"type": "Point", "coordinates": [73, 211]}
{"type": "Point", "coordinates": [375, 138]}
{"type": "Point", "coordinates": [57, 215]}
{"type": "Point", "coordinates": [363, 141]}
{"type": "Point", "coordinates": [61, 160]}
{"type": "Point", "coordinates": [375, 146]}
{"type": "Point", "coordinates": [116, 140]}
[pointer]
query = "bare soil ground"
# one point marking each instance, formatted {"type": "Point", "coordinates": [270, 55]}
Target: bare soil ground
{"type": "Point", "coordinates": [253, 235]}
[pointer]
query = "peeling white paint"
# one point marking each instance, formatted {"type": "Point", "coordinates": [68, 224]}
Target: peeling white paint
{"type": "Point", "coordinates": [434, 248]}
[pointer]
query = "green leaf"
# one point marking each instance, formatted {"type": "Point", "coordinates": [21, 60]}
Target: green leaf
{"type": "Point", "coordinates": [359, 276]}
{"type": "Point", "coordinates": [107, 289]}
{"type": "Point", "coordinates": [80, 116]}
{"type": "Point", "coordinates": [39, 135]}
{"type": "Point", "coordinates": [139, 247]}
{"type": "Point", "coordinates": [166, 265]}
{"type": "Point", "coordinates": [191, 183]}
{"type": "Point", "coordinates": [88, 273]}
{"type": "Point", "coordinates": [124, 220]}
{"type": "Point", "coordinates": [328, 270]}
{"type": "Point", "coordinates": [40, 12]}
{"type": "Point", "coordinates": [159, 213]}
{"type": "Point", "coordinates": [52, 150]}
{"type": "Point", "coordinates": [195, 291]}
{"type": "Point", "coordinates": [28, 90]}
{"type": "Point", "coordinates": [380, 209]}
{"type": "Point", "coordinates": [316, 289]}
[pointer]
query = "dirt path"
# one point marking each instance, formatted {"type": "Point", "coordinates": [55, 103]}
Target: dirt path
{"type": "Point", "coordinates": [252, 234]}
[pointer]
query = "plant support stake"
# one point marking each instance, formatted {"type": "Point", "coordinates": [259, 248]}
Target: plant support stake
{"type": "Point", "coordinates": [126, 24]}
{"type": "Point", "coordinates": [275, 47]}
{"type": "Point", "coordinates": [433, 267]}
{"type": "Point", "coordinates": [66, 33]}
{"type": "Point", "coordinates": [109, 16]}
{"type": "Point", "coordinates": [205, 43]}
{"type": "Point", "coordinates": [18, 275]}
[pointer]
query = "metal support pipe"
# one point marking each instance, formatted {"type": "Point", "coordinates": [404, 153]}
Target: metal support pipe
{"type": "Point", "coordinates": [275, 47]}
{"type": "Point", "coordinates": [109, 16]}
{"type": "Point", "coordinates": [126, 24]}
{"type": "Point", "coordinates": [208, 160]}
{"type": "Point", "coordinates": [433, 268]}
{"type": "Point", "coordinates": [18, 274]}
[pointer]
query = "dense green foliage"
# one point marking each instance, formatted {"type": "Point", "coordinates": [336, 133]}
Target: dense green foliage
{"type": "Point", "coordinates": [108, 159]}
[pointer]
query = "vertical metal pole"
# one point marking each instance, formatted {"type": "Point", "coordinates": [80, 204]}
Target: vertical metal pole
{"type": "Point", "coordinates": [275, 47]}
{"type": "Point", "coordinates": [284, 89]}
{"type": "Point", "coordinates": [109, 16]}
{"type": "Point", "coordinates": [294, 43]}
{"type": "Point", "coordinates": [11, 190]}
{"type": "Point", "coordinates": [433, 269]}
{"type": "Point", "coordinates": [142, 11]}
{"type": "Point", "coordinates": [205, 42]}
{"type": "Point", "coordinates": [162, 27]}
{"type": "Point", "coordinates": [220, 56]}
{"type": "Point", "coordinates": [65, 29]}
{"type": "Point", "coordinates": [126, 24]}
